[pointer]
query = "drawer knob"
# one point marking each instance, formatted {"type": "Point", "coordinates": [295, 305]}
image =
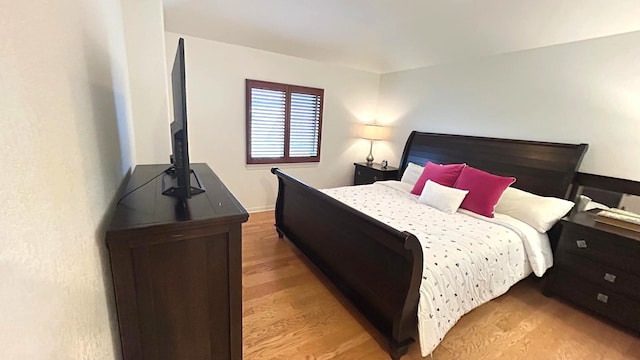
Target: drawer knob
{"type": "Point", "coordinates": [610, 277]}
{"type": "Point", "coordinates": [602, 298]}
{"type": "Point", "coordinates": [582, 244]}
{"type": "Point", "coordinates": [358, 173]}
{"type": "Point", "coordinates": [375, 178]}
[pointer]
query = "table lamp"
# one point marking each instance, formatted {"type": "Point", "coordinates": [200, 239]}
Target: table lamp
{"type": "Point", "coordinates": [373, 132]}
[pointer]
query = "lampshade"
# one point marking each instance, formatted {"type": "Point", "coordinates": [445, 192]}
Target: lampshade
{"type": "Point", "coordinates": [374, 132]}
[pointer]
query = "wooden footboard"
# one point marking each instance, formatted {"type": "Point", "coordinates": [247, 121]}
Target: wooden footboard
{"type": "Point", "coordinates": [376, 267]}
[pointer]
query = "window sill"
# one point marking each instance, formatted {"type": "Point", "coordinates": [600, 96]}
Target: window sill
{"type": "Point", "coordinates": [281, 166]}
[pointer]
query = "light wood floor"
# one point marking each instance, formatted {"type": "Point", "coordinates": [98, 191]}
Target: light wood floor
{"type": "Point", "coordinates": [291, 312]}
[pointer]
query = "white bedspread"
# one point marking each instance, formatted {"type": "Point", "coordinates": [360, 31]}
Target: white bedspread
{"type": "Point", "coordinates": [468, 259]}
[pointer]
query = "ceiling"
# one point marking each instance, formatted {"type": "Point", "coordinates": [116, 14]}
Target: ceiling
{"type": "Point", "coordinates": [391, 35]}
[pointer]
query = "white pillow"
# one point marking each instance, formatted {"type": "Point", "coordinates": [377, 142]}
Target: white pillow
{"type": "Point", "coordinates": [442, 197]}
{"type": "Point", "coordinates": [538, 211]}
{"type": "Point", "coordinates": [412, 174]}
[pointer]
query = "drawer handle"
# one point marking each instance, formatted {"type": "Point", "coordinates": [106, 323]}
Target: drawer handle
{"type": "Point", "coordinates": [602, 298]}
{"type": "Point", "coordinates": [610, 277]}
{"type": "Point", "coordinates": [582, 244]}
{"type": "Point", "coordinates": [375, 178]}
{"type": "Point", "coordinates": [359, 173]}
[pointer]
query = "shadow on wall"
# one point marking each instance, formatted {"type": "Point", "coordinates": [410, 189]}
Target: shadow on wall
{"type": "Point", "coordinates": [106, 138]}
{"type": "Point", "coordinates": [105, 265]}
{"type": "Point", "coordinates": [269, 186]}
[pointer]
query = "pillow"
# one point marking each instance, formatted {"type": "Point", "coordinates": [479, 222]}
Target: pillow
{"type": "Point", "coordinates": [441, 197]}
{"type": "Point", "coordinates": [539, 212]}
{"type": "Point", "coordinates": [442, 174]}
{"type": "Point", "coordinates": [411, 174]}
{"type": "Point", "coordinates": [484, 188]}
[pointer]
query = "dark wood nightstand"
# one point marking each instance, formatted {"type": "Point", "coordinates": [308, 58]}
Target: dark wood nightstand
{"type": "Point", "coordinates": [597, 266]}
{"type": "Point", "coordinates": [365, 174]}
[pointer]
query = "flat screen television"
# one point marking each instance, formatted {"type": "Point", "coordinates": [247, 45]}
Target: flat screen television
{"type": "Point", "coordinates": [179, 184]}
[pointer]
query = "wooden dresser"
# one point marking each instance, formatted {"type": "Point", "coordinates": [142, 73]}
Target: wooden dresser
{"type": "Point", "coordinates": [176, 269]}
{"type": "Point", "coordinates": [597, 266]}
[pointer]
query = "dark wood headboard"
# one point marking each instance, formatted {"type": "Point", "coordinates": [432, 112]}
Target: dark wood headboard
{"type": "Point", "coordinates": [542, 168]}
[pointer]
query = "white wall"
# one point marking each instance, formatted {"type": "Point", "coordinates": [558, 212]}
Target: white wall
{"type": "Point", "coordinates": [144, 37]}
{"type": "Point", "coordinates": [587, 91]}
{"type": "Point", "coordinates": [66, 146]}
{"type": "Point", "coordinates": [216, 73]}
{"type": "Point", "coordinates": [630, 203]}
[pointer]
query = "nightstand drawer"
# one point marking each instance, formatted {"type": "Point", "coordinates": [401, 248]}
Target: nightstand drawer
{"type": "Point", "coordinates": [368, 174]}
{"type": "Point", "coordinates": [603, 248]}
{"type": "Point", "coordinates": [365, 175]}
{"type": "Point", "coordinates": [605, 276]}
{"type": "Point", "coordinates": [610, 304]}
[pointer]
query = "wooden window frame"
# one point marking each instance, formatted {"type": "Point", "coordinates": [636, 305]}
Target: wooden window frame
{"type": "Point", "coordinates": [287, 89]}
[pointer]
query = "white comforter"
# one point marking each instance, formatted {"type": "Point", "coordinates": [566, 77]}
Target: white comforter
{"type": "Point", "coordinates": [468, 259]}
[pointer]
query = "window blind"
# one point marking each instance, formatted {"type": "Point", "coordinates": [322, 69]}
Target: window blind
{"type": "Point", "coordinates": [305, 125]}
{"type": "Point", "coordinates": [267, 123]}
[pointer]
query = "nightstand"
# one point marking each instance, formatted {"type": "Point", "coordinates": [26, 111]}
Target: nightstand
{"type": "Point", "coordinates": [365, 174]}
{"type": "Point", "coordinates": [596, 265]}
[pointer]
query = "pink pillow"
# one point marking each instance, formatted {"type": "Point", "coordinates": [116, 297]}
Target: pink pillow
{"type": "Point", "coordinates": [484, 189]}
{"type": "Point", "coordinates": [445, 175]}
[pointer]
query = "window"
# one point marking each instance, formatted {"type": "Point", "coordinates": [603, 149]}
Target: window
{"type": "Point", "coordinates": [283, 123]}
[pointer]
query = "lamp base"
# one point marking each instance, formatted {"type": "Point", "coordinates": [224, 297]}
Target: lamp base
{"type": "Point", "coordinates": [370, 156]}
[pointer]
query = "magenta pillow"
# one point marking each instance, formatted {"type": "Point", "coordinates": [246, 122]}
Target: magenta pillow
{"type": "Point", "coordinates": [484, 189]}
{"type": "Point", "coordinates": [445, 175]}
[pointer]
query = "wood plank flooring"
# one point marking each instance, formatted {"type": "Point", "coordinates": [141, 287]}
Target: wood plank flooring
{"type": "Point", "coordinates": [291, 312]}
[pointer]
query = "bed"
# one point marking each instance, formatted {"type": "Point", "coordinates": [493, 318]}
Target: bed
{"type": "Point", "coordinates": [379, 268]}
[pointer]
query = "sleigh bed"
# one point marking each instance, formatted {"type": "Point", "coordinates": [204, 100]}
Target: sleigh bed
{"type": "Point", "coordinates": [378, 268]}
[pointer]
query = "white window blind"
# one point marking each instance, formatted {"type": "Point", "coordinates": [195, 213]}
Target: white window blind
{"type": "Point", "coordinates": [284, 123]}
{"type": "Point", "coordinates": [305, 125]}
{"type": "Point", "coordinates": [267, 123]}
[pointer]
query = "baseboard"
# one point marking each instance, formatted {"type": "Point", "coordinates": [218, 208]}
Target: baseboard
{"type": "Point", "coordinates": [261, 208]}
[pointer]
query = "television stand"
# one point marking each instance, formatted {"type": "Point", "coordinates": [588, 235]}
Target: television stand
{"type": "Point", "coordinates": [171, 188]}
{"type": "Point", "coordinates": [177, 270]}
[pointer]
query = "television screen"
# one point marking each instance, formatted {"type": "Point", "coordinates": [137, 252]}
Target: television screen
{"type": "Point", "coordinates": [181, 173]}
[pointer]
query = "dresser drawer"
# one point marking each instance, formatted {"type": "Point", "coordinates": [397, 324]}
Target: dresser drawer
{"type": "Point", "coordinates": [605, 276]}
{"type": "Point", "coordinates": [602, 247]}
{"type": "Point", "coordinates": [610, 304]}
